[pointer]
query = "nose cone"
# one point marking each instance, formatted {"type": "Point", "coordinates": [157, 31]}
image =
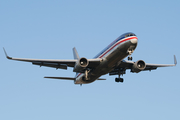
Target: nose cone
{"type": "Point", "coordinates": [134, 41]}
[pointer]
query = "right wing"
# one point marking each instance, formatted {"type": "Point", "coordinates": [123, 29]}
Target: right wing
{"type": "Point", "coordinates": [58, 64]}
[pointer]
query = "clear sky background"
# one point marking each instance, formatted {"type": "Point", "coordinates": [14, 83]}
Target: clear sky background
{"type": "Point", "coordinates": [49, 29]}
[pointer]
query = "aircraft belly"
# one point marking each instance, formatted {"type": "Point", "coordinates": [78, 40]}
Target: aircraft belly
{"type": "Point", "coordinates": [111, 60]}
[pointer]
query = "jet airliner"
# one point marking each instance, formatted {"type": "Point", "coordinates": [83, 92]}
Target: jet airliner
{"type": "Point", "coordinates": [110, 60]}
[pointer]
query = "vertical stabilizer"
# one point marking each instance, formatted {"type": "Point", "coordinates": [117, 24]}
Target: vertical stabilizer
{"type": "Point", "coordinates": [76, 56]}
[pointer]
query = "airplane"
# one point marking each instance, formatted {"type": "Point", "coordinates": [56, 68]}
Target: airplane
{"type": "Point", "coordinates": [110, 60]}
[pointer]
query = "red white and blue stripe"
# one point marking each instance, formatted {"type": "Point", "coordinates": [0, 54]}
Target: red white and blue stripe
{"type": "Point", "coordinates": [113, 45]}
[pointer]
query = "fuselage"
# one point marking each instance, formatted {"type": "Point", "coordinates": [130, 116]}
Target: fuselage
{"type": "Point", "coordinates": [111, 57]}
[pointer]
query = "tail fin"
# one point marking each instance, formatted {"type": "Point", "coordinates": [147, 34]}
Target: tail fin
{"type": "Point", "coordinates": [76, 56]}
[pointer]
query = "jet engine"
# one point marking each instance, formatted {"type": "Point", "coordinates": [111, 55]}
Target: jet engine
{"type": "Point", "coordinates": [81, 64]}
{"type": "Point", "coordinates": [138, 66]}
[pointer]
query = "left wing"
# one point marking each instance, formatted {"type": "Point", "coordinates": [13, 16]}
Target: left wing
{"type": "Point", "coordinates": [123, 65]}
{"type": "Point", "coordinates": [58, 64]}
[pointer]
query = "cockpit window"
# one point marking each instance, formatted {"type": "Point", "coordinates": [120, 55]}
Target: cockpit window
{"type": "Point", "coordinates": [130, 35]}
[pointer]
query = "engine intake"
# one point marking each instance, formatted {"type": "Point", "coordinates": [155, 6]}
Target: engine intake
{"type": "Point", "coordinates": [138, 66]}
{"type": "Point", "coordinates": [81, 64]}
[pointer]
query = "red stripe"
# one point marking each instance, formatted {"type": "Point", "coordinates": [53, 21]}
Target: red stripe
{"type": "Point", "coordinates": [78, 75]}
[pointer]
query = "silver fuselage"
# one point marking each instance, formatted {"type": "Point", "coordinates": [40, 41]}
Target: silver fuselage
{"type": "Point", "coordinates": [111, 57]}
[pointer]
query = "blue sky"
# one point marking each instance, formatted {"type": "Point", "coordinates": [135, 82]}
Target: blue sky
{"type": "Point", "coordinates": [49, 29]}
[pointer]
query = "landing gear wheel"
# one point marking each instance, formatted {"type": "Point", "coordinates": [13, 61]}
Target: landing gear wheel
{"type": "Point", "coordinates": [116, 79]}
{"type": "Point", "coordinates": [129, 58]}
{"type": "Point", "coordinates": [119, 79]}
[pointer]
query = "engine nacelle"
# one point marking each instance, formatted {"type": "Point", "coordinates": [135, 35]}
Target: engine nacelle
{"type": "Point", "coordinates": [138, 66]}
{"type": "Point", "coordinates": [81, 64]}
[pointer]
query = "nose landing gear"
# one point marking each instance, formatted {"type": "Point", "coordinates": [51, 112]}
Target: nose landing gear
{"type": "Point", "coordinates": [130, 52]}
{"type": "Point", "coordinates": [129, 58]}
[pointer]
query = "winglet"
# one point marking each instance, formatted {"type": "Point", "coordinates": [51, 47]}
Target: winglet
{"type": "Point", "coordinates": [76, 56]}
{"type": "Point", "coordinates": [7, 55]}
{"type": "Point", "coordinates": [175, 61]}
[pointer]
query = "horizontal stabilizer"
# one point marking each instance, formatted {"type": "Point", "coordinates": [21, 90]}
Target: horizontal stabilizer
{"type": "Point", "coordinates": [65, 78]}
{"type": "Point", "coordinates": [101, 79]}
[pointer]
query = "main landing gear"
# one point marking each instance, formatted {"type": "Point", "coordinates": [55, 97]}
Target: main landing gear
{"type": "Point", "coordinates": [119, 72]}
{"type": "Point", "coordinates": [119, 79]}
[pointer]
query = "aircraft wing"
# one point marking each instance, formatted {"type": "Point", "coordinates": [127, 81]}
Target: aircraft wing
{"type": "Point", "coordinates": [123, 65]}
{"type": "Point", "coordinates": [58, 64]}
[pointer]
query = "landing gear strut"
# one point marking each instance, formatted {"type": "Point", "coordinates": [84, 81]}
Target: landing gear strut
{"type": "Point", "coordinates": [85, 75]}
{"type": "Point", "coordinates": [119, 72]}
